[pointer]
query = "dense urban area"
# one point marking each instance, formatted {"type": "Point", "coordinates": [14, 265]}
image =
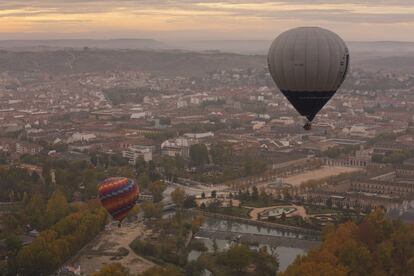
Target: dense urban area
{"type": "Point", "coordinates": [230, 183]}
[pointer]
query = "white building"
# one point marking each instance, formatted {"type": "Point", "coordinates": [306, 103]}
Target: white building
{"type": "Point", "coordinates": [199, 135]}
{"type": "Point", "coordinates": [140, 115]}
{"type": "Point", "coordinates": [133, 153]}
{"type": "Point", "coordinates": [179, 146]}
{"type": "Point", "coordinates": [81, 137]}
{"type": "Point", "coordinates": [182, 103]}
{"type": "Point", "coordinates": [362, 131]}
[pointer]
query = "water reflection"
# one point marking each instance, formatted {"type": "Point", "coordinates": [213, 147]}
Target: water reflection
{"type": "Point", "coordinates": [287, 253]}
{"type": "Point", "coordinates": [231, 226]}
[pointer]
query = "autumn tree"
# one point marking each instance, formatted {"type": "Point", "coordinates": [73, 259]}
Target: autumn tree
{"type": "Point", "coordinates": [57, 207]}
{"type": "Point", "coordinates": [199, 154]}
{"type": "Point", "coordinates": [237, 257]}
{"type": "Point", "coordinates": [151, 209]}
{"type": "Point", "coordinates": [35, 210]}
{"type": "Point", "coordinates": [376, 246]}
{"type": "Point", "coordinates": [178, 197]}
{"type": "Point", "coordinates": [143, 181]}
{"type": "Point", "coordinates": [157, 188]}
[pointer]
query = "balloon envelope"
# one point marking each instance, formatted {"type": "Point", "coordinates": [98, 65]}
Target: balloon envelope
{"type": "Point", "coordinates": [118, 196]}
{"type": "Point", "coordinates": [308, 64]}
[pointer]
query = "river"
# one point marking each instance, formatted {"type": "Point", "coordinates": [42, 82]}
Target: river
{"type": "Point", "coordinates": [289, 245]}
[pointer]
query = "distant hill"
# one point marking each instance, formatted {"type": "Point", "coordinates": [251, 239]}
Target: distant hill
{"type": "Point", "coordinates": [393, 47]}
{"type": "Point", "coordinates": [250, 47]}
{"type": "Point", "coordinates": [230, 46]}
{"type": "Point", "coordinates": [168, 63]}
{"type": "Point", "coordinates": [401, 63]}
{"type": "Point", "coordinates": [262, 46]}
{"type": "Point", "coordinates": [69, 60]}
{"type": "Point", "coordinates": [143, 44]}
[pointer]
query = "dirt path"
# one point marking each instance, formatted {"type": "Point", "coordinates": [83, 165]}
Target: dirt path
{"type": "Point", "coordinates": [104, 250]}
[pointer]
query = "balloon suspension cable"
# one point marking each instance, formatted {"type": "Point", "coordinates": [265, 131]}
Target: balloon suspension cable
{"type": "Point", "coordinates": [307, 126]}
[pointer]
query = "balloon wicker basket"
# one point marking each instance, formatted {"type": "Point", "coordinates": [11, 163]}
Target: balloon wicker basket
{"type": "Point", "coordinates": [307, 126]}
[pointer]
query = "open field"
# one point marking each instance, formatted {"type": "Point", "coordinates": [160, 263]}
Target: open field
{"type": "Point", "coordinates": [105, 249]}
{"type": "Point", "coordinates": [318, 174]}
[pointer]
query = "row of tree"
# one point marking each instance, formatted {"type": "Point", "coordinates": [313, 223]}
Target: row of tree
{"type": "Point", "coordinates": [58, 243]}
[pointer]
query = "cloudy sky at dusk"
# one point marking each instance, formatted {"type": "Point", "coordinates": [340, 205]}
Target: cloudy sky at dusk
{"type": "Point", "coordinates": [204, 19]}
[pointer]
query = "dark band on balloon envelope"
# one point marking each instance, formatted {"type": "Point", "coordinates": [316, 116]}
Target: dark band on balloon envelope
{"type": "Point", "coordinates": [308, 103]}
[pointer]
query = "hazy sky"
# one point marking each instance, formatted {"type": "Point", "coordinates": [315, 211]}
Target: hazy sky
{"type": "Point", "coordinates": [204, 19]}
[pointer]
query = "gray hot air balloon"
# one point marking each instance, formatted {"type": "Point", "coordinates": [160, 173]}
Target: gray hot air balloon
{"type": "Point", "coordinates": [308, 64]}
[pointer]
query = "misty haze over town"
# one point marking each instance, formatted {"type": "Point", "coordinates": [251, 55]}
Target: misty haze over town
{"type": "Point", "coordinates": [172, 137]}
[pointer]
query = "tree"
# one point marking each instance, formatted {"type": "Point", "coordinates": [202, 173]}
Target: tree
{"type": "Point", "coordinates": [57, 207]}
{"type": "Point", "coordinates": [35, 210]}
{"type": "Point", "coordinates": [255, 194]}
{"type": "Point", "coordinates": [193, 268]}
{"type": "Point", "coordinates": [178, 197]}
{"type": "Point", "coordinates": [196, 223]}
{"type": "Point", "coordinates": [152, 210]}
{"type": "Point", "coordinates": [46, 175]}
{"type": "Point", "coordinates": [54, 246]}
{"type": "Point", "coordinates": [203, 195]}
{"type": "Point", "coordinates": [189, 202]}
{"type": "Point", "coordinates": [141, 166]}
{"type": "Point", "coordinates": [143, 181]}
{"type": "Point", "coordinates": [215, 247]}
{"type": "Point", "coordinates": [90, 180]}
{"type": "Point", "coordinates": [134, 211]}
{"type": "Point", "coordinates": [35, 177]}
{"type": "Point", "coordinates": [237, 257]}
{"type": "Point", "coordinates": [265, 263]}
{"type": "Point", "coordinates": [199, 154]}
{"type": "Point", "coordinates": [377, 246]}
{"type": "Point", "coordinates": [113, 269]}
{"type": "Point", "coordinates": [221, 154]}
{"type": "Point", "coordinates": [157, 188]}
{"type": "Point", "coordinates": [264, 197]}
{"type": "Point", "coordinates": [13, 243]}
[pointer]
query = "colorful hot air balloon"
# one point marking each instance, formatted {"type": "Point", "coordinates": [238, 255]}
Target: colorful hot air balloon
{"type": "Point", "coordinates": [308, 64]}
{"type": "Point", "coordinates": [118, 196]}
